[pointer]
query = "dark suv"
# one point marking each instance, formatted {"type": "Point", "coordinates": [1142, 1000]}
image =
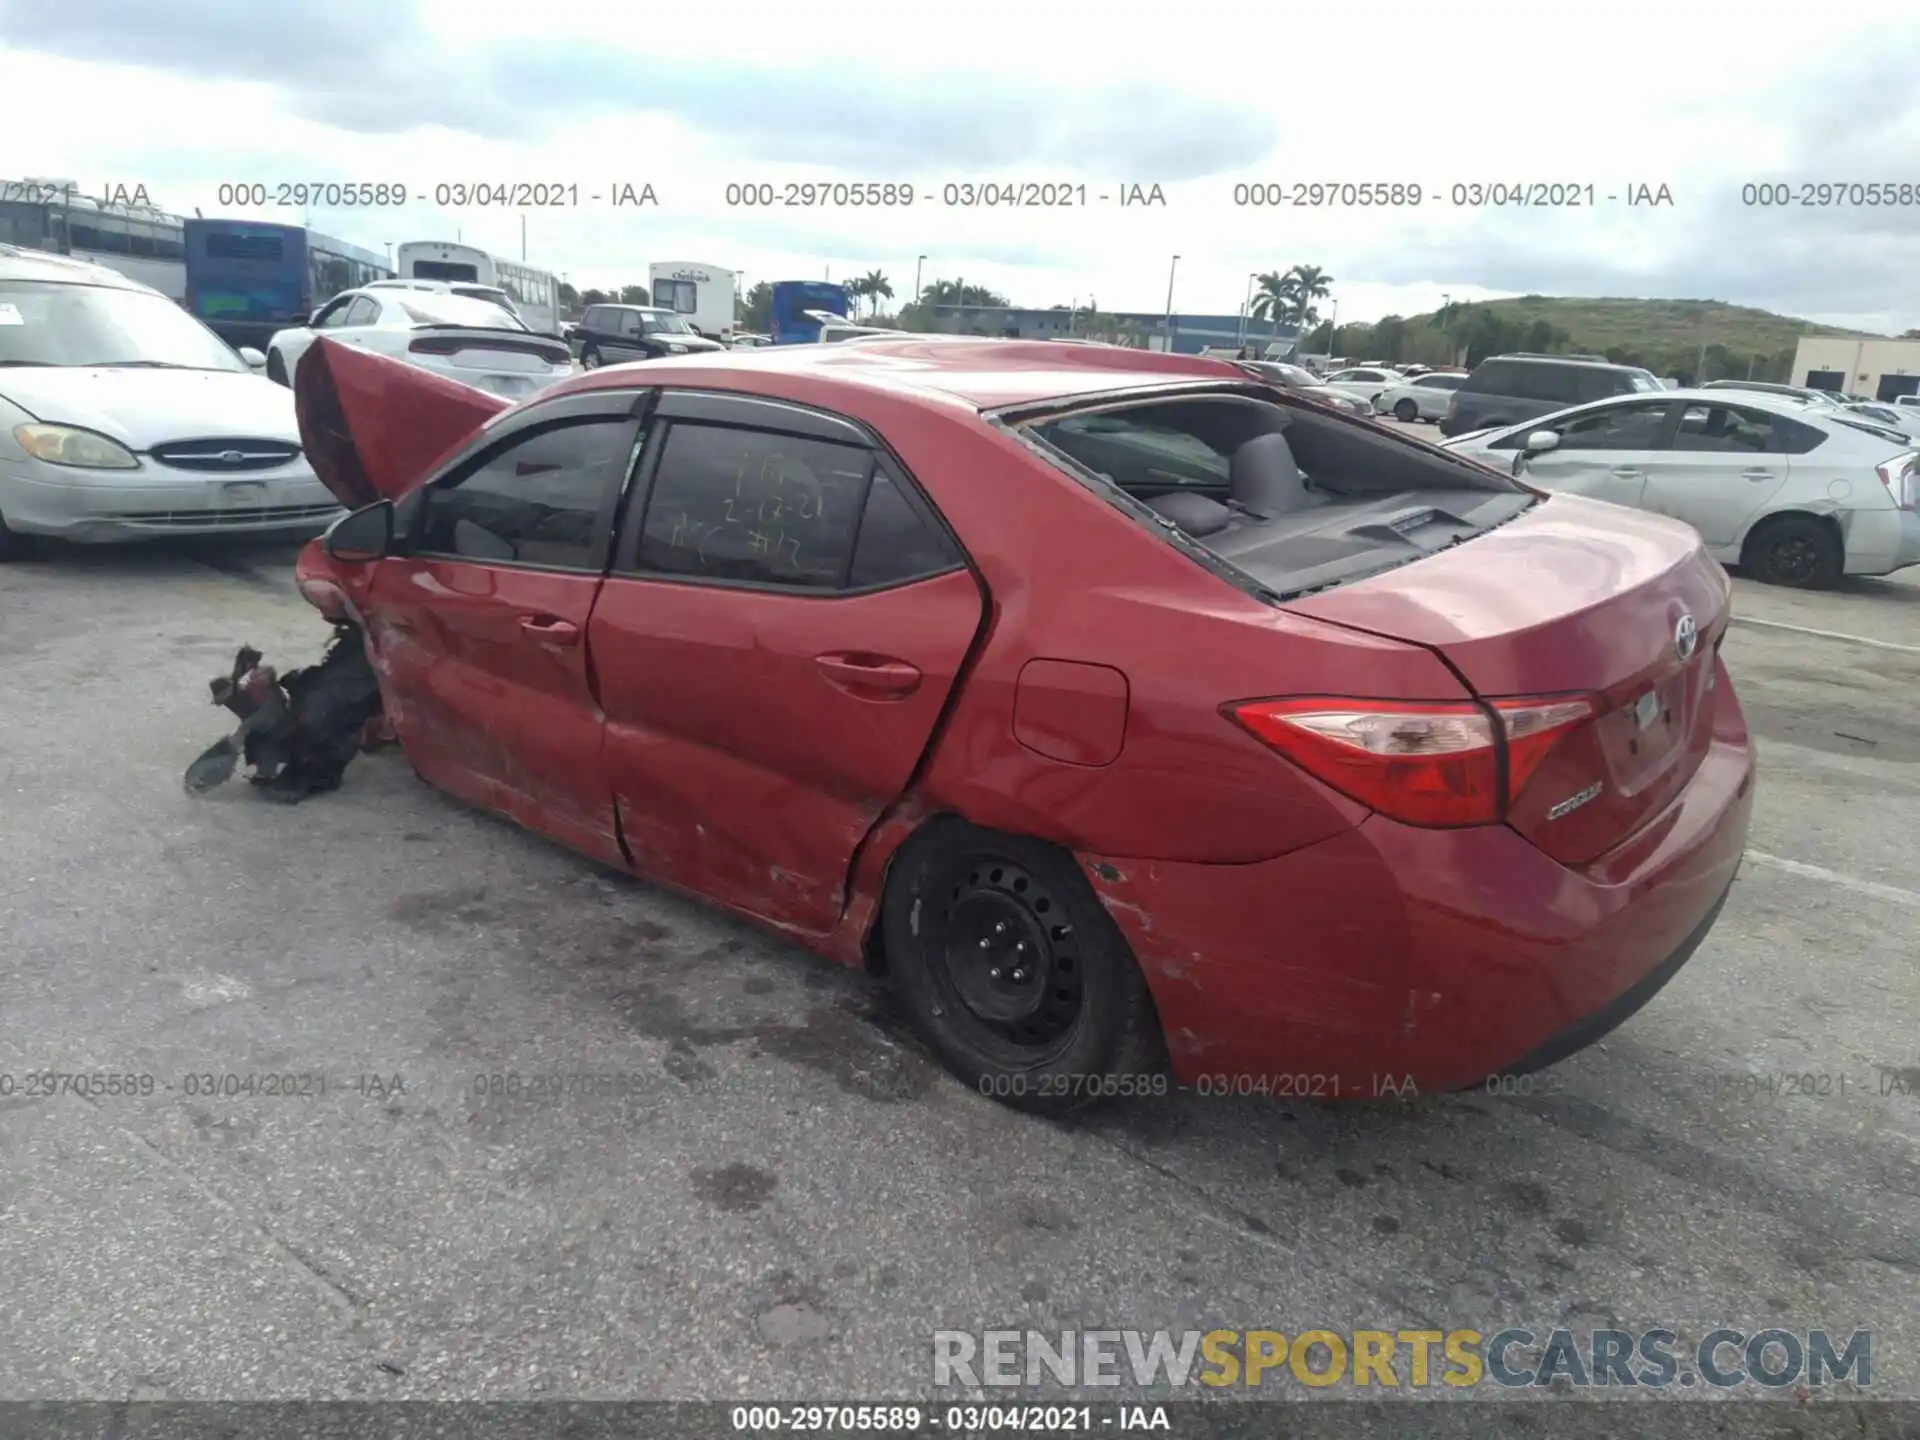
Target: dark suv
{"type": "Point", "coordinates": [615, 334]}
{"type": "Point", "coordinates": [1506, 389]}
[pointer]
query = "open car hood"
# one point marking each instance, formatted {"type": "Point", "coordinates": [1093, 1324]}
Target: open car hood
{"type": "Point", "coordinates": [373, 427]}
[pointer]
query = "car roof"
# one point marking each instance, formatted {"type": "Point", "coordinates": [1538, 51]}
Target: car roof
{"type": "Point", "coordinates": [1565, 360]}
{"type": "Point", "coordinates": [19, 263]}
{"type": "Point", "coordinates": [978, 372]}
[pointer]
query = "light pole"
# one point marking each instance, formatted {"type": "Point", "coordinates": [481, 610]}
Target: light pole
{"type": "Point", "coordinates": [1169, 322]}
{"type": "Point", "coordinates": [922, 260]}
{"type": "Point", "coordinates": [1246, 309]}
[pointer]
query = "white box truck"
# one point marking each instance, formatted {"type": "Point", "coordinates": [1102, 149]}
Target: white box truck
{"type": "Point", "coordinates": [699, 293]}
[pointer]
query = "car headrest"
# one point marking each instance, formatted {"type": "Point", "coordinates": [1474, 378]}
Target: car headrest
{"type": "Point", "coordinates": [1264, 480]}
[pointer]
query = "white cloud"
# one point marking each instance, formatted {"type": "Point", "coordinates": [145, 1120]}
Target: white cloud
{"type": "Point", "coordinates": [1698, 97]}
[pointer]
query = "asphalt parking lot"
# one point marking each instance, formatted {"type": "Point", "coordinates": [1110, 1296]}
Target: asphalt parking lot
{"type": "Point", "coordinates": [785, 1196]}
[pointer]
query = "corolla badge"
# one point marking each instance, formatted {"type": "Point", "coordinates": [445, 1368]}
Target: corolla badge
{"type": "Point", "coordinates": [1686, 637]}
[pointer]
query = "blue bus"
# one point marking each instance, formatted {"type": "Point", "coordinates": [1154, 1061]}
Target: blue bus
{"type": "Point", "coordinates": [793, 298]}
{"type": "Point", "coordinates": [248, 278]}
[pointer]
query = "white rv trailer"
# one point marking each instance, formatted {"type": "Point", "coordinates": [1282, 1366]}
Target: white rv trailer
{"type": "Point", "coordinates": [701, 294]}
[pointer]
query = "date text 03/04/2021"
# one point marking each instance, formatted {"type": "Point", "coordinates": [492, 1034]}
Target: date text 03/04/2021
{"type": "Point", "coordinates": [446, 194]}
{"type": "Point", "coordinates": [964, 1419]}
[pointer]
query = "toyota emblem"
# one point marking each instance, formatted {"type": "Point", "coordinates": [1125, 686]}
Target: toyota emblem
{"type": "Point", "coordinates": [1686, 637]}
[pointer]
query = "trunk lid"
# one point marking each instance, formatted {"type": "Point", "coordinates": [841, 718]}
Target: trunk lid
{"type": "Point", "coordinates": [373, 427]}
{"type": "Point", "coordinates": [1573, 597]}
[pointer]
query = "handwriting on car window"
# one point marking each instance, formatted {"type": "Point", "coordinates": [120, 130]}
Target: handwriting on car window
{"type": "Point", "coordinates": [777, 511]}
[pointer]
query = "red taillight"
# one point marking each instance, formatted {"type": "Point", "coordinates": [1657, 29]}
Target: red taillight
{"type": "Point", "coordinates": [1901, 476]}
{"type": "Point", "coordinates": [1432, 764]}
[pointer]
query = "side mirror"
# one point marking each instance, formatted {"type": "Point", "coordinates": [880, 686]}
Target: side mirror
{"type": "Point", "coordinates": [363, 536]}
{"type": "Point", "coordinates": [253, 357]}
{"type": "Point", "coordinates": [1538, 443]}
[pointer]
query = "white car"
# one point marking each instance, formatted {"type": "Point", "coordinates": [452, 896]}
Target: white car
{"type": "Point", "coordinates": [1364, 383]}
{"type": "Point", "coordinates": [491, 293]}
{"type": "Point", "coordinates": [123, 417]}
{"type": "Point", "coordinates": [473, 341]}
{"type": "Point", "coordinates": [1794, 494]}
{"type": "Point", "coordinates": [1424, 397]}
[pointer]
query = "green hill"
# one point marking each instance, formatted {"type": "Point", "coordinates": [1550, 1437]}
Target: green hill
{"type": "Point", "coordinates": [1600, 324]}
{"type": "Point", "coordinates": [1666, 336]}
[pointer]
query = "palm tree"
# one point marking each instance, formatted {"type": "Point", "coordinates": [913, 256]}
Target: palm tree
{"type": "Point", "coordinates": [1310, 283]}
{"type": "Point", "coordinates": [857, 288]}
{"type": "Point", "coordinates": [874, 286]}
{"type": "Point", "coordinates": [1273, 299]}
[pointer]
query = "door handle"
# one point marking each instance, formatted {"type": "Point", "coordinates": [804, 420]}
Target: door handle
{"type": "Point", "coordinates": [1626, 472]}
{"type": "Point", "coordinates": [869, 676]}
{"type": "Point", "coordinates": [1757, 474]}
{"type": "Point", "coordinates": [551, 629]}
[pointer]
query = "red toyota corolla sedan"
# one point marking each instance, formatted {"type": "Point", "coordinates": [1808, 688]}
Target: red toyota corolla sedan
{"type": "Point", "coordinates": [1127, 713]}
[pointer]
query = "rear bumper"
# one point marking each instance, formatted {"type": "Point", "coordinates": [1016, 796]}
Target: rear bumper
{"type": "Point", "coordinates": [1880, 542]}
{"type": "Point", "coordinates": [1390, 956]}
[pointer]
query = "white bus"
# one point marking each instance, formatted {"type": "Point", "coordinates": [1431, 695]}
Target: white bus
{"type": "Point", "coordinates": [699, 293]}
{"type": "Point", "coordinates": [142, 243]}
{"type": "Point", "coordinates": [534, 295]}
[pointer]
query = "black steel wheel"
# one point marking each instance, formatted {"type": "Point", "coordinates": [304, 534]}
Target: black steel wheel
{"type": "Point", "coordinates": [1014, 972]}
{"type": "Point", "coordinates": [1797, 551]}
{"type": "Point", "coordinates": [589, 358]}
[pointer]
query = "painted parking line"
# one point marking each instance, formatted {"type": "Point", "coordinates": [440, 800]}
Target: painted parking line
{"type": "Point", "coordinates": [1893, 894]}
{"type": "Point", "coordinates": [1824, 634]}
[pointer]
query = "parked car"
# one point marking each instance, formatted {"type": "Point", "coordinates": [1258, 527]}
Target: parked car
{"type": "Point", "coordinates": [1303, 381]}
{"type": "Point", "coordinates": [1907, 402]}
{"type": "Point", "coordinates": [1363, 382]}
{"type": "Point", "coordinates": [747, 340]}
{"type": "Point", "coordinates": [1905, 421]}
{"type": "Point", "coordinates": [1765, 387]}
{"type": "Point", "coordinates": [1793, 493]}
{"type": "Point", "coordinates": [1424, 397]}
{"type": "Point", "coordinates": [492, 294]}
{"type": "Point", "coordinates": [123, 417]}
{"type": "Point", "coordinates": [619, 334]}
{"type": "Point", "coordinates": [653, 607]}
{"type": "Point", "coordinates": [1506, 389]}
{"type": "Point", "coordinates": [473, 341]}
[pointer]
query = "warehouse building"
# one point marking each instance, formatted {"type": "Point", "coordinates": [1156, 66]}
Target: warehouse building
{"type": "Point", "coordinates": [1877, 369]}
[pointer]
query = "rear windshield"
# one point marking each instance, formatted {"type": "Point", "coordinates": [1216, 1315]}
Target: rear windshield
{"type": "Point", "coordinates": [1288, 498]}
{"type": "Point", "coordinates": [459, 310]}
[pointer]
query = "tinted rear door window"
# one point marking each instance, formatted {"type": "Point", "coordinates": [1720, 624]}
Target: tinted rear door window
{"type": "Point", "coordinates": [753, 506]}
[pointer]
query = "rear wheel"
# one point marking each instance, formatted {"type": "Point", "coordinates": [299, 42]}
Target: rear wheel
{"type": "Point", "coordinates": [1406, 412]}
{"type": "Point", "coordinates": [1798, 551]}
{"type": "Point", "coordinates": [1014, 972]}
{"type": "Point", "coordinates": [589, 358]}
{"type": "Point", "coordinates": [276, 368]}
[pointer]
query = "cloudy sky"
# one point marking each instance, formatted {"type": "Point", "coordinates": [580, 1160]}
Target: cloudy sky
{"type": "Point", "coordinates": [1700, 97]}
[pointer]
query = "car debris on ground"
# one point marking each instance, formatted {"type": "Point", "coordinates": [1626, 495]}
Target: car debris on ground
{"type": "Point", "coordinates": [298, 732]}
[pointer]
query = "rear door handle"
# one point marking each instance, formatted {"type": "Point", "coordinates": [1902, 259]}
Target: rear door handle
{"type": "Point", "coordinates": [551, 629]}
{"type": "Point", "coordinates": [869, 676]}
{"type": "Point", "coordinates": [1757, 474]}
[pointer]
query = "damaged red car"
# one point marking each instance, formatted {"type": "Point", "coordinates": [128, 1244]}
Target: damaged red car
{"type": "Point", "coordinates": [1131, 716]}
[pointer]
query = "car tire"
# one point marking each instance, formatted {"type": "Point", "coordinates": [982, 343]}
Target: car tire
{"type": "Point", "coordinates": [277, 369]}
{"type": "Point", "coordinates": [1406, 412]}
{"type": "Point", "coordinates": [14, 545]}
{"type": "Point", "coordinates": [1800, 552]}
{"type": "Point", "coordinates": [589, 357]}
{"type": "Point", "coordinates": [965, 910]}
